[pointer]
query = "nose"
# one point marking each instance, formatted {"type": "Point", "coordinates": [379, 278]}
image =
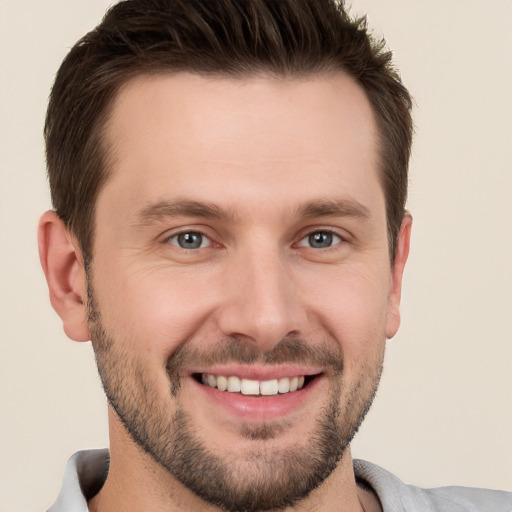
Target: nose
{"type": "Point", "coordinates": [261, 303]}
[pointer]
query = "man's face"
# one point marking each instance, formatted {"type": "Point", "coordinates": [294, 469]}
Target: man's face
{"type": "Point", "coordinates": [240, 242]}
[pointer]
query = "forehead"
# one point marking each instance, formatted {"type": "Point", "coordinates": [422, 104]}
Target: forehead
{"type": "Point", "coordinates": [184, 133]}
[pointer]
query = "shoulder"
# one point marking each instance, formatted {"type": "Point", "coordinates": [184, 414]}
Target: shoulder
{"type": "Point", "coordinates": [84, 476]}
{"type": "Point", "coordinates": [395, 496]}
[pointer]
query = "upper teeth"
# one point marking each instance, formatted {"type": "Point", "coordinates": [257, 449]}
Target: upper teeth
{"type": "Point", "coordinates": [253, 387]}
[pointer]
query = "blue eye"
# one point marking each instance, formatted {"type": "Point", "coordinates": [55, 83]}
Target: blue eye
{"type": "Point", "coordinates": [320, 240]}
{"type": "Point", "coordinates": [190, 240]}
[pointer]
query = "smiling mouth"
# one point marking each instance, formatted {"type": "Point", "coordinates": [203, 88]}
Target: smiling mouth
{"type": "Point", "coordinates": [272, 387]}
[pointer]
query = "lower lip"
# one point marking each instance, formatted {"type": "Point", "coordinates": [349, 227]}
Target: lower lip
{"type": "Point", "coordinates": [258, 407]}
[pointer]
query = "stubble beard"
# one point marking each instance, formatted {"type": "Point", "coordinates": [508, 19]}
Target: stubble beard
{"type": "Point", "coordinates": [261, 479]}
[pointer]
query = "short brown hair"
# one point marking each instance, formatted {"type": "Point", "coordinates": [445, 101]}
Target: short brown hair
{"type": "Point", "coordinates": [225, 37]}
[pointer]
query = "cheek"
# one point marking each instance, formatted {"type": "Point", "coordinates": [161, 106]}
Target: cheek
{"type": "Point", "coordinates": [151, 311]}
{"type": "Point", "coordinates": [353, 307]}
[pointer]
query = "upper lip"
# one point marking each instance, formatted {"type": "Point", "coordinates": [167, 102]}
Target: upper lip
{"type": "Point", "coordinates": [259, 372]}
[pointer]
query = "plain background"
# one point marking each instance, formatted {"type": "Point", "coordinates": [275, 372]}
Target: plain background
{"type": "Point", "coordinates": [443, 414]}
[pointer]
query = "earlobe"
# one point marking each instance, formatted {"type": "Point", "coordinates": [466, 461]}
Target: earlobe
{"type": "Point", "coordinates": [63, 267]}
{"type": "Point", "coordinates": [395, 293]}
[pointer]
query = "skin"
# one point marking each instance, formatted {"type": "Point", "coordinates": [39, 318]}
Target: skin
{"type": "Point", "coordinates": [271, 154]}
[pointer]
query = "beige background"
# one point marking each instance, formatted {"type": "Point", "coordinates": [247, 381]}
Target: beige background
{"type": "Point", "coordinates": [444, 411]}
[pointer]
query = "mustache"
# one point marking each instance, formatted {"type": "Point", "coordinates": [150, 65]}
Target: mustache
{"type": "Point", "coordinates": [232, 350]}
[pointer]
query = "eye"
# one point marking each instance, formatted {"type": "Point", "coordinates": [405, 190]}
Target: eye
{"type": "Point", "coordinates": [190, 240]}
{"type": "Point", "coordinates": [320, 240]}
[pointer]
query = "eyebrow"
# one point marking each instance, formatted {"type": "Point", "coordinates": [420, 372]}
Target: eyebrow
{"type": "Point", "coordinates": [334, 208]}
{"type": "Point", "coordinates": [164, 209]}
{"type": "Point", "coordinates": [185, 208]}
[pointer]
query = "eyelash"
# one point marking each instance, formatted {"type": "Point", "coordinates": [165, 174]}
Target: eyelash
{"type": "Point", "coordinates": [332, 238]}
{"type": "Point", "coordinates": [191, 232]}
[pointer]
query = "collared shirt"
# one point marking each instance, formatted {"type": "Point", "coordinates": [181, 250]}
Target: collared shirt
{"type": "Point", "coordinates": [86, 472]}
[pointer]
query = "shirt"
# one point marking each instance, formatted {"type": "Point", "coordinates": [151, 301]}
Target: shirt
{"type": "Point", "coordinates": [86, 472]}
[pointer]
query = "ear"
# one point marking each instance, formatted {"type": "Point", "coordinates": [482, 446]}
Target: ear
{"type": "Point", "coordinates": [63, 267]}
{"type": "Point", "coordinates": [397, 271]}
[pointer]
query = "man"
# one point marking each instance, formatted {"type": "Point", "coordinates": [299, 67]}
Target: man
{"type": "Point", "coordinates": [229, 182]}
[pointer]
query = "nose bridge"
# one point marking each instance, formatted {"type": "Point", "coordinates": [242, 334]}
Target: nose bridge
{"type": "Point", "coordinates": [261, 301]}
